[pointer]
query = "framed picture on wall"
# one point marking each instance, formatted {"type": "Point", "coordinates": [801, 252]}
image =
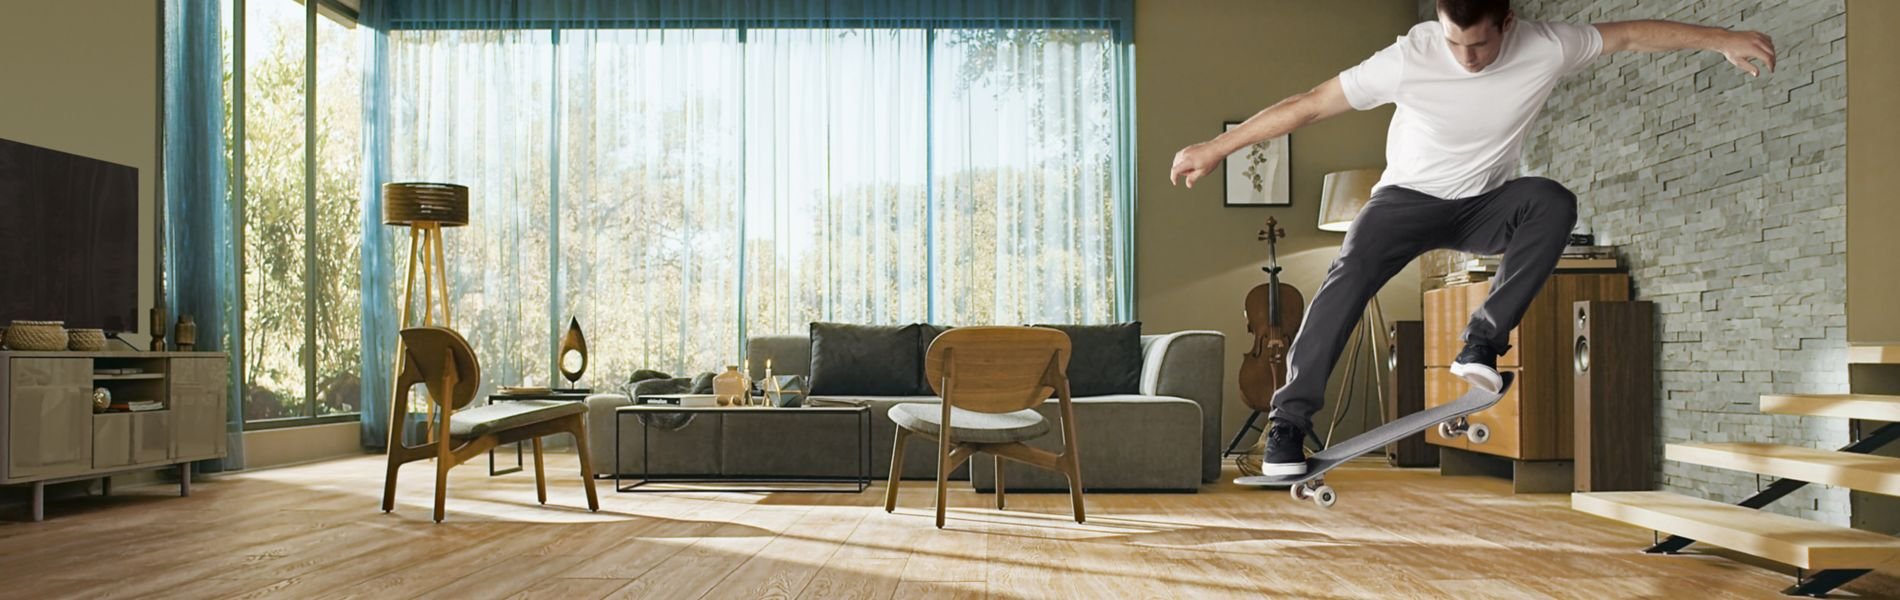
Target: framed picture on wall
{"type": "Point", "coordinates": [1261, 174]}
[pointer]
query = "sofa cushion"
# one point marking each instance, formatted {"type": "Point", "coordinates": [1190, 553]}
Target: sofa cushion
{"type": "Point", "coordinates": [872, 360]}
{"type": "Point", "coordinates": [1104, 359]}
{"type": "Point", "coordinates": [971, 426]}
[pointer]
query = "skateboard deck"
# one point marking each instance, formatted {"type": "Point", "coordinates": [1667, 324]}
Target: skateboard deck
{"type": "Point", "coordinates": [1320, 462]}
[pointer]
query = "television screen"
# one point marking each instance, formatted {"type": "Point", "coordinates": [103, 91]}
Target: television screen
{"type": "Point", "coordinates": [68, 239]}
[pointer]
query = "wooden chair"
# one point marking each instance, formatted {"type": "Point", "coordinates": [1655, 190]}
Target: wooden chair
{"type": "Point", "coordinates": [991, 380]}
{"type": "Point", "coordinates": [443, 362]}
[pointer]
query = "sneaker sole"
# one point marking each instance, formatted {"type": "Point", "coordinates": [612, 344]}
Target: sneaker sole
{"type": "Point", "coordinates": [1298, 468]}
{"type": "Point", "coordinates": [1479, 376]}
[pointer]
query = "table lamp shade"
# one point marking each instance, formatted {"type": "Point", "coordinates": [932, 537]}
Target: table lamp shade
{"type": "Point", "coordinates": [408, 203]}
{"type": "Point", "coordinates": [1344, 193]}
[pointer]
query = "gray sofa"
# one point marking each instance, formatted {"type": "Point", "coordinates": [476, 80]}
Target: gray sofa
{"type": "Point", "coordinates": [1166, 438]}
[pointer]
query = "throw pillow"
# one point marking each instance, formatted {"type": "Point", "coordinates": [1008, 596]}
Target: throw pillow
{"type": "Point", "coordinates": [1103, 359]}
{"type": "Point", "coordinates": [866, 360]}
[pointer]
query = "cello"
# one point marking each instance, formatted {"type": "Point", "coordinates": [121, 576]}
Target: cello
{"type": "Point", "coordinates": [1274, 312]}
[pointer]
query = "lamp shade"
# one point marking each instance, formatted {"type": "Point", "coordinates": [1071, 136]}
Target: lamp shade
{"type": "Point", "coordinates": [1344, 193]}
{"type": "Point", "coordinates": [408, 203]}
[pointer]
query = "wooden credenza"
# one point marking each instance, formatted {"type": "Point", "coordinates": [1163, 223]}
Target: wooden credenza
{"type": "Point", "coordinates": [1534, 421]}
{"type": "Point", "coordinates": [50, 433]}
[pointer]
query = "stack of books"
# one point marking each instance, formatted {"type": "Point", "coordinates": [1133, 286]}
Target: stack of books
{"type": "Point", "coordinates": [119, 371]}
{"type": "Point", "coordinates": [136, 406]}
{"type": "Point", "coordinates": [1575, 258]}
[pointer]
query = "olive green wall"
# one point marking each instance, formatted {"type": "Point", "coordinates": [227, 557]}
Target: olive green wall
{"type": "Point", "coordinates": [1201, 62]}
{"type": "Point", "coordinates": [81, 76]}
{"type": "Point", "coordinates": [1873, 123]}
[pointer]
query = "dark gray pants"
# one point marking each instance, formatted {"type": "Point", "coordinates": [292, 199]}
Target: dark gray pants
{"type": "Point", "coordinates": [1528, 220]}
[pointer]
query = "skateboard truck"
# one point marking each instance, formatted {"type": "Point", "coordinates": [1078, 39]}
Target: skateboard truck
{"type": "Point", "coordinates": [1315, 490]}
{"type": "Point", "coordinates": [1451, 430]}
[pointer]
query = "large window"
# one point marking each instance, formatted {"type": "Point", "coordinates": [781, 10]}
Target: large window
{"type": "Point", "coordinates": [677, 190]}
{"type": "Point", "coordinates": [297, 169]}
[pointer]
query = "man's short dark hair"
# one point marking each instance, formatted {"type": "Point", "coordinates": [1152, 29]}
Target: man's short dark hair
{"type": "Point", "coordinates": [1469, 13]}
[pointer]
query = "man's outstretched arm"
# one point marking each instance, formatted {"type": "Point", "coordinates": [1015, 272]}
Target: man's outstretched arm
{"type": "Point", "coordinates": [1741, 48]}
{"type": "Point", "coordinates": [1321, 103]}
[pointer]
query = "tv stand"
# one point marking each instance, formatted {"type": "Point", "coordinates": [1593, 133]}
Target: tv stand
{"type": "Point", "coordinates": [50, 433]}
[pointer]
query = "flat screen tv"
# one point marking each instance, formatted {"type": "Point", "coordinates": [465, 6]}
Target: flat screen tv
{"type": "Point", "coordinates": [68, 239]}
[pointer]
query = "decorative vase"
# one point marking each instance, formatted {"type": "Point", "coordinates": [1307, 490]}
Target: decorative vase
{"type": "Point", "coordinates": [158, 329]}
{"type": "Point", "coordinates": [187, 336]}
{"type": "Point", "coordinates": [573, 353]}
{"type": "Point", "coordinates": [101, 399]}
{"type": "Point", "coordinates": [729, 388]}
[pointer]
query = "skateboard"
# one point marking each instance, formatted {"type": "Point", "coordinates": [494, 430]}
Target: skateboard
{"type": "Point", "coordinates": [1448, 418]}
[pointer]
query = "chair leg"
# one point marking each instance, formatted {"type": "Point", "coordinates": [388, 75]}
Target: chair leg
{"type": "Point", "coordinates": [389, 482]}
{"type": "Point", "coordinates": [441, 485]}
{"type": "Point", "coordinates": [943, 474]}
{"type": "Point", "coordinates": [587, 463]}
{"type": "Point", "coordinates": [999, 481]}
{"type": "Point", "coordinates": [540, 476]}
{"type": "Point", "coordinates": [1073, 469]}
{"type": "Point", "coordinates": [897, 470]}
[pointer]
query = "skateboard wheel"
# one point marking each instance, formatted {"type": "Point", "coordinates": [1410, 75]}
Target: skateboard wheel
{"type": "Point", "coordinates": [1325, 497]}
{"type": "Point", "coordinates": [1299, 492]}
{"type": "Point", "coordinates": [1479, 433]}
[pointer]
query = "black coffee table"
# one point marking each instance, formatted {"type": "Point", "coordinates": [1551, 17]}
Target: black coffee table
{"type": "Point", "coordinates": [656, 405]}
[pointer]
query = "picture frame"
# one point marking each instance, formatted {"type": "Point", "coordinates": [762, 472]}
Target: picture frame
{"type": "Point", "coordinates": [1259, 175]}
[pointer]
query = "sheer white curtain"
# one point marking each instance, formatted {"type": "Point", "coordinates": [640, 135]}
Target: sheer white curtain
{"type": "Point", "coordinates": [836, 186]}
{"type": "Point", "coordinates": [678, 189]}
{"type": "Point", "coordinates": [1025, 134]}
{"type": "Point", "coordinates": [471, 107]}
{"type": "Point", "coordinates": [650, 195]}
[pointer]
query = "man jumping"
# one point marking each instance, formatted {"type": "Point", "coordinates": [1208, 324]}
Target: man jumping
{"type": "Point", "coordinates": [1468, 87]}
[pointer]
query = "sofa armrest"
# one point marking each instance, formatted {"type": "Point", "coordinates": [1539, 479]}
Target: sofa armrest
{"type": "Point", "coordinates": [600, 429]}
{"type": "Point", "coordinates": [1191, 365]}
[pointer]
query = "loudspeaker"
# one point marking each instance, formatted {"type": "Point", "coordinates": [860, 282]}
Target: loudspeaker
{"type": "Point", "coordinates": [1406, 393]}
{"type": "Point", "coordinates": [1613, 357]}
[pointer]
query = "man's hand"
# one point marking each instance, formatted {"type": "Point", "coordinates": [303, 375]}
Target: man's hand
{"type": "Point", "coordinates": [1193, 162]}
{"type": "Point", "coordinates": [1744, 48]}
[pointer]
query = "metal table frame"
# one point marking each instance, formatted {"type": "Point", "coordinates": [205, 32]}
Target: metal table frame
{"type": "Point", "coordinates": [850, 485]}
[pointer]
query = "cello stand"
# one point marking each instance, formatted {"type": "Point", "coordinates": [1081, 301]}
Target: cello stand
{"type": "Point", "coordinates": [1234, 447]}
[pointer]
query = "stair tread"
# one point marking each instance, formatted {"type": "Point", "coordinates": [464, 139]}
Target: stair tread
{"type": "Point", "coordinates": [1873, 407]}
{"type": "Point", "coordinates": [1799, 542]}
{"type": "Point", "coordinates": [1882, 354]}
{"type": "Point", "coordinates": [1865, 472]}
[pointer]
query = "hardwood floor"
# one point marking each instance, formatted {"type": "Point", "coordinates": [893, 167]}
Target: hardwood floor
{"type": "Point", "coordinates": [315, 531]}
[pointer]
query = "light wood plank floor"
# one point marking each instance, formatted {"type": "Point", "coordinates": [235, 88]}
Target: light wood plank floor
{"type": "Point", "coordinates": [315, 531]}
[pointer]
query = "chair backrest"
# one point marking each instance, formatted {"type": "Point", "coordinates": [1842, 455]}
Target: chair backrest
{"type": "Point", "coordinates": [997, 369]}
{"type": "Point", "coordinates": [430, 356]}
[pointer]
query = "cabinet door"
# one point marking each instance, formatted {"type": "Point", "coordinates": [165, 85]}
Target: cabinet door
{"type": "Point", "coordinates": [1504, 419]}
{"type": "Point", "coordinates": [49, 422]}
{"type": "Point", "coordinates": [199, 390]}
{"type": "Point", "coordinates": [151, 437]}
{"type": "Point", "coordinates": [111, 440]}
{"type": "Point", "coordinates": [1441, 388]}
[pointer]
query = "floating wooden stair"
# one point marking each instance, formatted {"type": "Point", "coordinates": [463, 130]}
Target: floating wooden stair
{"type": "Point", "coordinates": [1864, 472]}
{"type": "Point", "coordinates": [1850, 406]}
{"type": "Point", "coordinates": [1878, 355]}
{"type": "Point", "coordinates": [1785, 539]}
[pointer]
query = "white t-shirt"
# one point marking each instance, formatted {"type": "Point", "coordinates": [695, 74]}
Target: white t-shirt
{"type": "Point", "coordinates": [1458, 134]}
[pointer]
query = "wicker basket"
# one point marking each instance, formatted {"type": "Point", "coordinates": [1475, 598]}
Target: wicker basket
{"type": "Point", "coordinates": [37, 335]}
{"type": "Point", "coordinates": [86, 340]}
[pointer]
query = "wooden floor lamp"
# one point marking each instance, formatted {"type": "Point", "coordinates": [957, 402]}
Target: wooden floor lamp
{"type": "Point", "coordinates": [425, 208]}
